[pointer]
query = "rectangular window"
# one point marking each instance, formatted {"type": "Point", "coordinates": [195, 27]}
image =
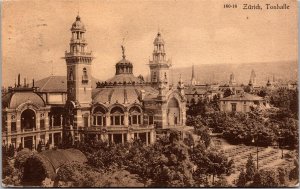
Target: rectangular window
{"type": "Point", "coordinates": [50, 138]}
{"type": "Point", "coordinates": [151, 120]}
{"type": "Point", "coordinates": [85, 121]}
{"type": "Point", "coordinates": [14, 142]}
{"type": "Point", "coordinates": [42, 124]}
{"type": "Point", "coordinates": [175, 120]}
{"type": "Point", "coordinates": [139, 119]}
{"type": "Point", "coordinates": [13, 127]}
{"type": "Point", "coordinates": [94, 120]}
{"type": "Point", "coordinates": [233, 107]}
{"type": "Point", "coordinates": [122, 120]}
{"type": "Point", "coordinates": [117, 120]}
{"type": "Point", "coordinates": [134, 119]}
{"type": "Point", "coordinates": [104, 121]}
{"type": "Point", "coordinates": [99, 120]}
{"type": "Point", "coordinates": [112, 120]}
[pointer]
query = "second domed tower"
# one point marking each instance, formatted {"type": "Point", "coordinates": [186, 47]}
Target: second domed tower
{"type": "Point", "coordinates": [159, 65]}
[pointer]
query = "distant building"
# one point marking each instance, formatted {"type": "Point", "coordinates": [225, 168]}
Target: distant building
{"type": "Point", "coordinates": [254, 88]}
{"type": "Point", "coordinates": [240, 102]}
{"type": "Point", "coordinates": [232, 86]}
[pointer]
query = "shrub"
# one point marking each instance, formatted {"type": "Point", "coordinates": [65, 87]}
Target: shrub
{"type": "Point", "coordinates": [21, 158]}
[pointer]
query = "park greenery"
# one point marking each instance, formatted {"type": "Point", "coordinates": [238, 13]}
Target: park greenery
{"type": "Point", "coordinates": [263, 127]}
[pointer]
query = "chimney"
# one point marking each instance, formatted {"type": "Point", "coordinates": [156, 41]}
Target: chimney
{"type": "Point", "coordinates": [143, 94]}
{"type": "Point", "coordinates": [32, 82]}
{"type": "Point", "coordinates": [24, 82]}
{"type": "Point", "coordinates": [19, 80]}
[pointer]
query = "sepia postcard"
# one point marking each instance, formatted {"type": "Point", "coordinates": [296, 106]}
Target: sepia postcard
{"type": "Point", "coordinates": [150, 93]}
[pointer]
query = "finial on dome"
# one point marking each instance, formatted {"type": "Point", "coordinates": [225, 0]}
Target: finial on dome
{"type": "Point", "coordinates": [123, 51]}
{"type": "Point", "coordinates": [78, 17]}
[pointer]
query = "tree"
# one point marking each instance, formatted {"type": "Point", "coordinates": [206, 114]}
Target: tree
{"type": "Point", "coordinates": [282, 176]}
{"type": "Point", "coordinates": [227, 93]}
{"type": "Point", "coordinates": [266, 178]}
{"type": "Point", "coordinates": [21, 158]}
{"type": "Point", "coordinates": [218, 164]}
{"type": "Point", "coordinates": [250, 168]}
{"type": "Point", "coordinates": [7, 169]}
{"type": "Point", "coordinates": [76, 175]}
{"type": "Point", "coordinates": [242, 180]}
{"type": "Point", "coordinates": [221, 182]}
{"type": "Point", "coordinates": [294, 174]}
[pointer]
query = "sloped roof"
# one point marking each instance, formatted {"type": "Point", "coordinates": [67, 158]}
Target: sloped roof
{"type": "Point", "coordinates": [52, 84]}
{"type": "Point", "coordinates": [55, 84]}
{"type": "Point", "coordinates": [242, 97]}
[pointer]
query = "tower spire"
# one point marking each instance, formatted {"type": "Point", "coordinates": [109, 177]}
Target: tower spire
{"type": "Point", "coordinates": [193, 80]}
{"type": "Point", "coordinates": [123, 51]}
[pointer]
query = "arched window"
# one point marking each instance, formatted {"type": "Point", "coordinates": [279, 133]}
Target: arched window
{"type": "Point", "coordinates": [71, 74]}
{"type": "Point", "coordinates": [173, 112]}
{"type": "Point", "coordinates": [134, 116]}
{"type": "Point", "coordinates": [99, 117]}
{"type": "Point", "coordinates": [117, 116]}
{"type": "Point", "coordinates": [85, 78]}
{"type": "Point", "coordinates": [28, 120]}
{"type": "Point", "coordinates": [154, 76]}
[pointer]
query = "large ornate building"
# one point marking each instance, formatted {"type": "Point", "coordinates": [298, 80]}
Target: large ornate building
{"type": "Point", "coordinates": [120, 109]}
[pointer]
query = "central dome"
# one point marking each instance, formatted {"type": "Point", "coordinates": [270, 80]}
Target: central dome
{"type": "Point", "coordinates": [124, 67]}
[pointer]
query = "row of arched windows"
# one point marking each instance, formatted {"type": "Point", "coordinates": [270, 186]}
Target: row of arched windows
{"type": "Point", "coordinates": [116, 116]}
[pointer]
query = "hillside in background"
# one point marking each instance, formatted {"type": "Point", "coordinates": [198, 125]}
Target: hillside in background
{"type": "Point", "coordinates": [208, 73]}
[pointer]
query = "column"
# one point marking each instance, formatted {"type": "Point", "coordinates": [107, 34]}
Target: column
{"type": "Point", "coordinates": [122, 138]}
{"type": "Point", "coordinates": [46, 121]}
{"type": "Point", "coordinates": [18, 117]}
{"type": "Point", "coordinates": [107, 117]}
{"type": "Point", "coordinates": [52, 143]}
{"type": "Point", "coordinates": [38, 137]}
{"type": "Point", "coordinates": [129, 137]}
{"type": "Point", "coordinates": [19, 141]}
{"type": "Point", "coordinates": [112, 138]}
{"type": "Point", "coordinates": [22, 141]}
{"type": "Point", "coordinates": [60, 136]}
{"type": "Point", "coordinates": [8, 124]}
{"type": "Point", "coordinates": [152, 137]}
{"type": "Point", "coordinates": [37, 121]}
{"type": "Point", "coordinates": [52, 121]}
{"type": "Point", "coordinates": [46, 137]}
{"type": "Point", "coordinates": [126, 118]}
{"type": "Point", "coordinates": [147, 139]}
{"type": "Point", "coordinates": [61, 120]}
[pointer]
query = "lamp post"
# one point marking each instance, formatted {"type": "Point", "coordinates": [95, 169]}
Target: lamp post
{"type": "Point", "coordinates": [256, 141]}
{"type": "Point", "coordinates": [280, 143]}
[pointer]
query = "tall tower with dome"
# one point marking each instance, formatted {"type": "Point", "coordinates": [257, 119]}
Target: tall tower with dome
{"type": "Point", "coordinates": [159, 65]}
{"type": "Point", "coordinates": [79, 84]}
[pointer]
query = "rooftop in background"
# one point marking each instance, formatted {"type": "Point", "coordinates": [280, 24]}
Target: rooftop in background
{"type": "Point", "coordinates": [242, 97]}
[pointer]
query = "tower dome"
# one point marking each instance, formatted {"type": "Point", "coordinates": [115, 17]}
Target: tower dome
{"type": "Point", "coordinates": [158, 39]}
{"type": "Point", "coordinates": [78, 25]}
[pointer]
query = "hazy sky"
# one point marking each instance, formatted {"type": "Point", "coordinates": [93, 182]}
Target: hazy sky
{"type": "Point", "coordinates": [34, 33]}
